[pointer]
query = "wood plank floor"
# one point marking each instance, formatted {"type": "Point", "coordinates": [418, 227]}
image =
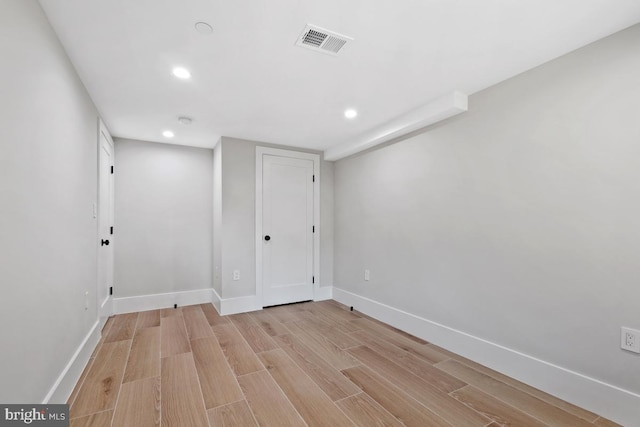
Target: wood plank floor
{"type": "Point", "coordinates": [307, 364]}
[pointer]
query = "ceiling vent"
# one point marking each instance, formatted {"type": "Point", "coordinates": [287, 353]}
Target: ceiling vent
{"type": "Point", "coordinates": [322, 40]}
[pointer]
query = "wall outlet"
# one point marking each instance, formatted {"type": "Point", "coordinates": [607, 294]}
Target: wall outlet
{"type": "Point", "coordinates": [367, 275]}
{"type": "Point", "coordinates": [630, 339]}
{"type": "Point", "coordinates": [86, 300]}
{"type": "Point", "coordinates": [236, 274]}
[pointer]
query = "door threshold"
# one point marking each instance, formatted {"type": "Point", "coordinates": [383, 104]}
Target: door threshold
{"type": "Point", "coordinates": [287, 303]}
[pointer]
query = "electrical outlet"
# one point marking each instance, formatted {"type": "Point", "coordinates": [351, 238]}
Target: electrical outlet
{"type": "Point", "coordinates": [236, 274]}
{"type": "Point", "coordinates": [630, 339]}
{"type": "Point", "coordinates": [367, 275]}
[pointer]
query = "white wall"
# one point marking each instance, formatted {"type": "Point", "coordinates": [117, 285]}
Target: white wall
{"type": "Point", "coordinates": [517, 222]}
{"type": "Point", "coordinates": [326, 224]}
{"type": "Point", "coordinates": [217, 218]}
{"type": "Point", "coordinates": [238, 179]}
{"type": "Point", "coordinates": [48, 184]}
{"type": "Point", "coordinates": [163, 218]}
{"type": "Point", "coordinates": [238, 217]}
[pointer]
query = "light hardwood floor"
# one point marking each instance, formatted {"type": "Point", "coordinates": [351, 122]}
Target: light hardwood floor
{"type": "Point", "coordinates": [314, 364]}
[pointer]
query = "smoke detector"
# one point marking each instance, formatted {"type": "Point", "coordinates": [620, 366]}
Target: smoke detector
{"type": "Point", "coordinates": [322, 40]}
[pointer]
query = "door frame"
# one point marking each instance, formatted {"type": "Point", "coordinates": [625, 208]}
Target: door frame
{"type": "Point", "coordinates": [105, 307]}
{"type": "Point", "coordinates": [260, 152]}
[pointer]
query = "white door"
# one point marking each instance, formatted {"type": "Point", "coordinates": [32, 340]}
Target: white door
{"type": "Point", "coordinates": [287, 229]}
{"type": "Point", "coordinates": [105, 223]}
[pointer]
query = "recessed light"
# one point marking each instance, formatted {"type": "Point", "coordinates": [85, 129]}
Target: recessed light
{"type": "Point", "coordinates": [181, 73]}
{"type": "Point", "coordinates": [185, 120]}
{"type": "Point", "coordinates": [168, 134]}
{"type": "Point", "coordinates": [350, 113]}
{"type": "Point", "coordinates": [203, 28]}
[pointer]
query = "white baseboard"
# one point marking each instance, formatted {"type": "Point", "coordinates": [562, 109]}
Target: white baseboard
{"type": "Point", "coordinates": [239, 305]}
{"type": "Point", "coordinates": [245, 304]}
{"type": "Point", "coordinates": [607, 400]}
{"type": "Point", "coordinates": [224, 306]}
{"type": "Point", "coordinates": [215, 300]}
{"type": "Point", "coordinates": [323, 293]}
{"type": "Point", "coordinates": [156, 301]}
{"type": "Point", "coordinates": [69, 376]}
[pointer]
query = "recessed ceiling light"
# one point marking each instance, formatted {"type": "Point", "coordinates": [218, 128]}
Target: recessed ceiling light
{"type": "Point", "coordinates": [203, 28]}
{"type": "Point", "coordinates": [185, 120]}
{"type": "Point", "coordinates": [168, 134]}
{"type": "Point", "coordinates": [181, 73]}
{"type": "Point", "coordinates": [350, 113]}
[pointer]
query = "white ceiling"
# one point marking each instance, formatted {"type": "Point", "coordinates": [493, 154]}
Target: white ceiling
{"type": "Point", "coordinates": [250, 81]}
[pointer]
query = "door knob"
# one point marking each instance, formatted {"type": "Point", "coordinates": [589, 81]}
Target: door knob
{"type": "Point", "coordinates": [104, 242]}
{"type": "Point", "coordinates": [267, 238]}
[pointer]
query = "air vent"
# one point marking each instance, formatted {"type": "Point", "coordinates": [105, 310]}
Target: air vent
{"type": "Point", "coordinates": [322, 40]}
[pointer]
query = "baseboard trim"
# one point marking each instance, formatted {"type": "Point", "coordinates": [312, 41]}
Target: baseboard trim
{"type": "Point", "coordinates": [70, 375]}
{"type": "Point", "coordinates": [607, 400]}
{"type": "Point", "coordinates": [239, 305]}
{"type": "Point", "coordinates": [215, 300]}
{"type": "Point", "coordinates": [224, 306]}
{"type": "Point", "coordinates": [156, 301]}
{"type": "Point", "coordinates": [323, 293]}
